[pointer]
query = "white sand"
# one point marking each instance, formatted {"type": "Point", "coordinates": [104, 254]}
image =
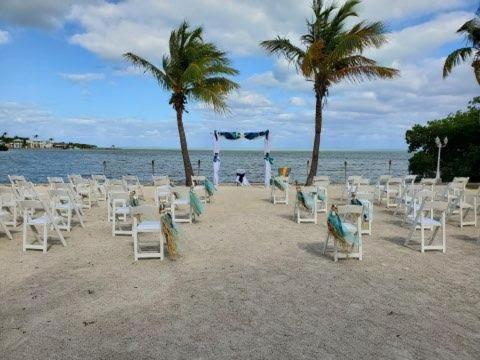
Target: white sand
{"type": "Point", "coordinates": [251, 284]}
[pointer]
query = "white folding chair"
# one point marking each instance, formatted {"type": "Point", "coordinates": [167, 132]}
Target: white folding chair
{"type": "Point", "coordinates": [3, 224]}
{"type": "Point", "coordinates": [181, 209]}
{"type": "Point", "coordinates": [100, 186]}
{"type": "Point", "coordinates": [428, 183]}
{"type": "Point", "coordinates": [36, 214]}
{"type": "Point", "coordinates": [198, 183]}
{"type": "Point", "coordinates": [321, 183]}
{"type": "Point", "coordinates": [132, 183]}
{"type": "Point", "coordinates": [163, 195]}
{"type": "Point", "coordinates": [302, 214]}
{"type": "Point", "coordinates": [381, 187]}
{"type": "Point", "coordinates": [8, 205]}
{"type": "Point", "coordinates": [351, 217]}
{"type": "Point", "coordinates": [277, 195]}
{"type": "Point", "coordinates": [393, 189]}
{"type": "Point", "coordinates": [54, 181]}
{"type": "Point", "coordinates": [121, 213]}
{"type": "Point", "coordinates": [146, 219]}
{"type": "Point", "coordinates": [426, 221]}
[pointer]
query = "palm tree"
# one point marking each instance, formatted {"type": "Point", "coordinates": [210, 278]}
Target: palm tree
{"type": "Point", "coordinates": [471, 30]}
{"type": "Point", "coordinates": [332, 52]}
{"type": "Point", "coordinates": [193, 70]}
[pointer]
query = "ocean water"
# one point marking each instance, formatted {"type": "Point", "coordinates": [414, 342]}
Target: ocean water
{"type": "Point", "coordinates": [36, 165]}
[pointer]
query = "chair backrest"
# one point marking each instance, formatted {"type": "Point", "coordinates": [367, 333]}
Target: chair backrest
{"type": "Point", "coordinates": [409, 179]}
{"type": "Point", "coordinates": [160, 180]}
{"type": "Point", "coordinates": [307, 189]}
{"type": "Point", "coordinates": [131, 179]}
{"type": "Point", "coordinates": [146, 212]}
{"type": "Point", "coordinates": [321, 181]}
{"type": "Point", "coordinates": [54, 179]}
{"type": "Point", "coordinates": [31, 205]}
{"type": "Point", "coordinates": [100, 179]}
{"type": "Point", "coordinates": [15, 179]}
{"type": "Point", "coordinates": [384, 179]}
{"type": "Point", "coordinates": [461, 180]}
{"type": "Point", "coordinates": [198, 180]}
{"type": "Point", "coordinates": [75, 178]}
{"type": "Point", "coordinates": [428, 181]}
{"type": "Point", "coordinates": [350, 210]}
{"type": "Point", "coordinates": [119, 196]}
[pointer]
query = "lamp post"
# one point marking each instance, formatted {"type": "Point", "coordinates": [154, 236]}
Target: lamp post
{"type": "Point", "coordinates": [440, 146]}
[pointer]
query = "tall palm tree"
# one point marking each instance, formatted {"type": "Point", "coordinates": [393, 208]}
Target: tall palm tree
{"type": "Point", "coordinates": [471, 30]}
{"type": "Point", "coordinates": [193, 70]}
{"type": "Point", "coordinates": [332, 52]}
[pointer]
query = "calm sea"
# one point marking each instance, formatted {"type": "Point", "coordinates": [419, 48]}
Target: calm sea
{"type": "Point", "coordinates": [36, 165]}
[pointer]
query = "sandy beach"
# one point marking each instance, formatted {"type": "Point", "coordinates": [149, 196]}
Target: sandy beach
{"type": "Point", "coordinates": [251, 284]}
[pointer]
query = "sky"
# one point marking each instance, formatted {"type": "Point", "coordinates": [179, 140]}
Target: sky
{"type": "Point", "coordinates": [62, 74]}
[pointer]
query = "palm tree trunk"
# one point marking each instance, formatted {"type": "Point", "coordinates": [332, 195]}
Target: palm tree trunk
{"type": "Point", "coordinates": [183, 145]}
{"type": "Point", "coordinates": [319, 95]}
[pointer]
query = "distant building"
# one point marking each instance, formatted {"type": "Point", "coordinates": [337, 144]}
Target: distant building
{"type": "Point", "coordinates": [17, 144]}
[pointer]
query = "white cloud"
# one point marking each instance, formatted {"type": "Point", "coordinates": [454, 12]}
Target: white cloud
{"type": "Point", "coordinates": [82, 78]}
{"type": "Point", "coordinates": [4, 37]}
{"type": "Point", "coordinates": [297, 101]}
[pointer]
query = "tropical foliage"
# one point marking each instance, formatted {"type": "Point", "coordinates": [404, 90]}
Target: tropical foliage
{"type": "Point", "coordinates": [471, 31]}
{"type": "Point", "coordinates": [193, 70]}
{"type": "Point", "coordinates": [461, 156]}
{"type": "Point", "coordinates": [331, 52]}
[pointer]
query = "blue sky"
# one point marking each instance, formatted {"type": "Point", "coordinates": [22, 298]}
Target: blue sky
{"type": "Point", "coordinates": [62, 75]}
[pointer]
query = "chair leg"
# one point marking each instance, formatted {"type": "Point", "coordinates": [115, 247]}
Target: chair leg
{"type": "Point", "coordinates": [9, 235]}
{"type": "Point", "coordinates": [422, 232]}
{"type": "Point", "coordinates": [24, 233]}
{"type": "Point", "coordinates": [444, 239]}
{"type": "Point", "coordinates": [135, 245]}
{"type": "Point", "coordinates": [45, 237]}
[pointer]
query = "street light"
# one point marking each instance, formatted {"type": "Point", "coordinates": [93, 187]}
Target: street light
{"type": "Point", "coordinates": [440, 146]}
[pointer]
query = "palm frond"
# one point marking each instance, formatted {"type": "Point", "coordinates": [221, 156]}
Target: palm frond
{"type": "Point", "coordinates": [283, 46]}
{"type": "Point", "coordinates": [147, 66]}
{"type": "Point", "coordinates": [455, 58]}
{"type": "Point", "coordinates": [476, 69]}
{"type": "Point", "coordinates": [363, 72]}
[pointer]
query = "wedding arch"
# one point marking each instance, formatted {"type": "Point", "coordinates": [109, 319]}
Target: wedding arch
{"type": "Point", "coordinates": [237, 136]}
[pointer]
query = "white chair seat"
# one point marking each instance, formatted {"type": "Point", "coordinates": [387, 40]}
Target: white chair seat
{"type": "Point", "coordinates": [430, 222]}
{"type": "Point", "coordinates": [41, 220]}
{"type": "Point", "coordinates": [182, 202]}
{"type": "Point", "coordinates": [464, 205]}
{"type": "Point", "coordinates": [149, 226]}
{"type": "Point", "coordinates": [63, 206]}
{"type": "Point", "coordinates": [122, 211]}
